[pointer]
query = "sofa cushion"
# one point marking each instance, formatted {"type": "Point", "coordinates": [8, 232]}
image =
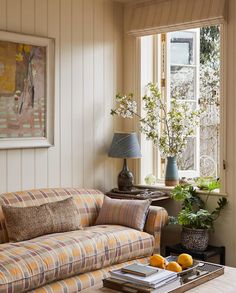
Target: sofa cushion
{"type": "Point", "coordinates": [34, 263]}
{"type": "Point", "coordinates": [29, 222]}
{"type": "Point", "coordinates": [86, 280]}
{"type": "Point", "coordinates": [88, 201]}
{"type": "Point", "coordinates": [130, 213]}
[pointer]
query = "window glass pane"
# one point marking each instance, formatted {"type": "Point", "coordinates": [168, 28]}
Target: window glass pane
{"type": "Point", "coordinates": [186, 161]}
{"type": "Point", "coordinates": [210, 101]}
{"type": "Point", "coordinates": [209, 140]}
{"type": "Point", "coordinates": [182, 83]}
{"type": "Point", "coordinates": [182, 48]}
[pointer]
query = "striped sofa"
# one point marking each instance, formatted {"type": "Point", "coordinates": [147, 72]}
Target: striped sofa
{"type": "Point", "coordinates": [72, 261]}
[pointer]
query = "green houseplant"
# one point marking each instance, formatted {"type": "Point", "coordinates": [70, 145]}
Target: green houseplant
{"type": "Point", "coordinates": [168, 129]}
{"type": "Point", "coordinates": [194, 217]}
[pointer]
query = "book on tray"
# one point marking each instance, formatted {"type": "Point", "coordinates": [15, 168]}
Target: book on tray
{"type": "Point", "coordinates": [143, 271]}
{"type": "Point", "coordinates": [155, 280]}
{"type": "Point", "coordinates": [123, 286]}
{"type": "Point", "coordinates": [143, 276]}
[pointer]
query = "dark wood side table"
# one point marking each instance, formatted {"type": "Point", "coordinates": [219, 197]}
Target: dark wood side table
{"type": "Point", "coordinates": [155, 196]}
{"type": "Point", "coordinates": [201, 255]}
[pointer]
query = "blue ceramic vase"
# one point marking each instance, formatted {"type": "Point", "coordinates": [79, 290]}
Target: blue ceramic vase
{"type": "Point", "coordinates": [172, 174]}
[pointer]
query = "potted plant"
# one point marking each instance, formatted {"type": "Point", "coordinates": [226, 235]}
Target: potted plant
{"type": "Point", "coordinates": [195, 218]}
{"type": "Point", "coordinates": [169, 130]}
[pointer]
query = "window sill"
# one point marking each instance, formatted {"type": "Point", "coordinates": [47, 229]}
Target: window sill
{"type": "Point", "coordinates": [167, 189]}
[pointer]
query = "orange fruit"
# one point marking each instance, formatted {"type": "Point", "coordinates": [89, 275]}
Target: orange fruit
{"type": "Point", "coordinates": [156, 260]}
{"type": "Point", "coordinates": [174, 267]}
{"type": "Point", "coordinates": [185, 260]}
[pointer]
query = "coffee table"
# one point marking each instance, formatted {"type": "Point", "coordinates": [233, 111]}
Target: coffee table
{"type": "Point", "coordinates": [222, 284]}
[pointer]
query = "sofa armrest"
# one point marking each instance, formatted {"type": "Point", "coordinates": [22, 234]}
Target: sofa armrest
{"type": "Point", "coordinates": [156, 219]}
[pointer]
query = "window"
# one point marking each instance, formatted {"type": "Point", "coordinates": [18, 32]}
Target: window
{"type": "Point", "coordinates": [182, 82]}
{"type": "Point", "coordinates": [186, 65]}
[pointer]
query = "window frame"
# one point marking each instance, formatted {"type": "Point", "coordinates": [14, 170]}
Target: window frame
{"type": "Point", "coordinates": [157, 161]}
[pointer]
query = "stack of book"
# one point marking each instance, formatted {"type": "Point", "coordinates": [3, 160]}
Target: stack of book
{"type": "Point", "coordinates": [142, 278]}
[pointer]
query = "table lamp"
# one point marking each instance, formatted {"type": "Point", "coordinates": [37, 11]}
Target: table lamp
{"type": "Point", "coordinates": [126, 146]}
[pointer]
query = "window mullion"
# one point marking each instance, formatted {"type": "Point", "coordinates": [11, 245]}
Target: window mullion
{"type": "Point", "coordinates": [164, 92]}
{"type": "Point", "coordinates": [197, 96]}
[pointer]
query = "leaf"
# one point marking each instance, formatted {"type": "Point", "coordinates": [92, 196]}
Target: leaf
{"type": "Point", "coordinates": [180, 193]}
{"type": "Point", "coordinates": [222, 202]}
{"type": "Point", "coordinates": [214, 184]}
{"type": "Point", "coordinates": [172, 220]}
{"type": "Point", "coordinates": [199, 220]}
{"type": "Point", "coordinates": [113, 112]}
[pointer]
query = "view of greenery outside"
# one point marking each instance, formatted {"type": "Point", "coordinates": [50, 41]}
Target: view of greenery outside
{"type": "Point", "coordinates": [210, 100]}
{"type": "Point", "coordinates": [183, 71]}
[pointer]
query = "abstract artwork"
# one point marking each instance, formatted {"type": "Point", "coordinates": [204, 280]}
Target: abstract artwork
{"type": "Point", "coordinates": [26, 91]}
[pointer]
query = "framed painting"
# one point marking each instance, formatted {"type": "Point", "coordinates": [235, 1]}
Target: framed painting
{"type": "Point", "coordinates": [26, 91]}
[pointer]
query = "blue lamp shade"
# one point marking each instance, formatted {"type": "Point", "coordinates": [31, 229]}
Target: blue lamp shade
{"type": "Point", "coordinates": [125, 145]}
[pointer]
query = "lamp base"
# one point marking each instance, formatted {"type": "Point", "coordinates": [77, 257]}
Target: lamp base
{"type": "Point", "coordinates": [125, 178]}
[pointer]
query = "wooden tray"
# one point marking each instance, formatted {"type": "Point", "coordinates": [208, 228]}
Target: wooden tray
{"type": "Point", "coordinates": [213, 271]}
{"type": "Point", "coordinates": [190, 280]}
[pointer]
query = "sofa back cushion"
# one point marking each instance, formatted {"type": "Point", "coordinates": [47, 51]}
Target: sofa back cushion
{"type": "Point", "coordinates": [88, 201]}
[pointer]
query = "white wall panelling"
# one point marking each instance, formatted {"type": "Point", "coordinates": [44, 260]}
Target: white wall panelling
{"type": "Point", "coordinates": [88, 73]}
{"type": "Point", "coordinates": [3, 154]}
{"type": "Point", "coordinates": [54, 153]}
{"type": "Point", "coordinates": [88, 83]}
{"type": "Point", "coordinates": [28, 157]}
{"type": "Point", "coordinates": [66, 91]}
{"type": "Point", "coordinates": [14, 157]}
{"type": "Point", "coordinates": [77, 91]}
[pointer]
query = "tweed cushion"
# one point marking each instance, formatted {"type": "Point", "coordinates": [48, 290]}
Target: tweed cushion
{"type": "Point", "coordinates": [39, 261]}
{"type": "Point", "coordinates": [88, 201]}
{"type": "Point", "coordinates": [25, 223]}
{"type": "Point", "coordinates": [130, 213]}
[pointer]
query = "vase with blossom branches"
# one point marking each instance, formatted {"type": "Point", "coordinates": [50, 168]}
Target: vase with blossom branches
{"type": "Point", "coordinates": [168, 129]}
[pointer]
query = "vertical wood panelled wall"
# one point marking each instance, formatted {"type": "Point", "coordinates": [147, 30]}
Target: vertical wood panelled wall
{"type": "Point", "coordinates": [88, 36]}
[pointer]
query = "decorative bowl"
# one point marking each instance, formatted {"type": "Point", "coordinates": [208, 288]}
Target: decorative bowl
{"type": "Point", "coordinates": [189, 271]}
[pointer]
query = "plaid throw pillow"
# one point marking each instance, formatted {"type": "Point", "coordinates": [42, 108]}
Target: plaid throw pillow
{"type": "Point", "coordinates": [25, 223]}
{"type": "Point", "coordinates": [130, 213]}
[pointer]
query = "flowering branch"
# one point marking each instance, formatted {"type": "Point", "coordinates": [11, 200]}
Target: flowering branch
{"type": "Point", "coordinates": [178, 124]}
